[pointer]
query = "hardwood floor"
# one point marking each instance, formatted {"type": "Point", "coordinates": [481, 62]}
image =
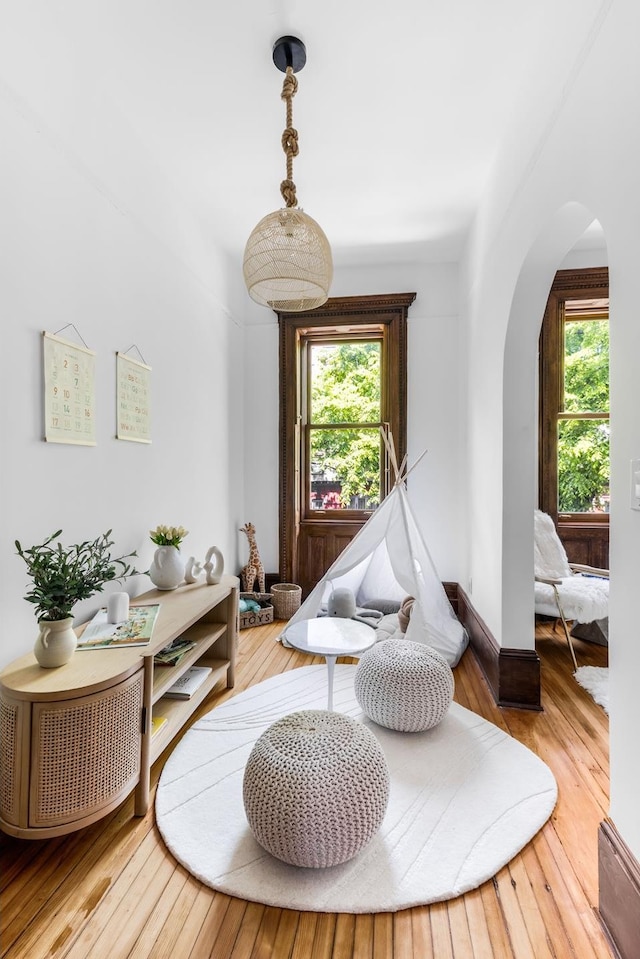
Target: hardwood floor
{"type": "Point", "coordinates": [113, 890]}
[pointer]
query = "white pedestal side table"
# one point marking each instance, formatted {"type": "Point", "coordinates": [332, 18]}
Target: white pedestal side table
{"type": "Point", "coordinates": [330, 636]}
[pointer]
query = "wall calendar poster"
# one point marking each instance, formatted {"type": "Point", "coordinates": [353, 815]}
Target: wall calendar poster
{"type": "Point", "coordinates": [134, 398]}
{"type": "Point", "coordinates": [69, 392]}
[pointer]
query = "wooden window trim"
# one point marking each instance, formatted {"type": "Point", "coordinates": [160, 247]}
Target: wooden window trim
{"type": "Point", "coordinates": [355, 313]}
{"type": "Point", "coordinates": [582, 284]}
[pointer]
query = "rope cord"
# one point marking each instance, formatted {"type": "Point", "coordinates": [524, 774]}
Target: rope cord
{"type": "Point", "coordinates": [289, 138]}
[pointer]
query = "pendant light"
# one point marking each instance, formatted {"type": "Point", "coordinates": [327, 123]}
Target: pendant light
{"type": "Point", "coordinates": [287, 260]}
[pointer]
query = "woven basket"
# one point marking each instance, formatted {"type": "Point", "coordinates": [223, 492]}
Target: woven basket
{"type": "Point", "coordinates": [261, 618]}
{"type": "Point", "coordinates": [286, 599]}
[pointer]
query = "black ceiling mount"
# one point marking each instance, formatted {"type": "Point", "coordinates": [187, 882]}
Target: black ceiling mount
{"type": "Point", "coordinates": [289, 52]}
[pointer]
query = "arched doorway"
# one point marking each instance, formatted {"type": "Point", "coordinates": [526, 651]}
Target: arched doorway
{"type": "Point", "coordinates": [520, 421]}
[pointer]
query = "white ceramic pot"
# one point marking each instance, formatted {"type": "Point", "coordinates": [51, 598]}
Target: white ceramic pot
{"type": "Point", "coordinates": [167, 568]}
{"type": "Point", "coordinates": [56, 642]}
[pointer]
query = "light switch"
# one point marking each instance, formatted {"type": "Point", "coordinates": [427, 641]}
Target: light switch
{"type": "Point", "coordinates": [635, 484]}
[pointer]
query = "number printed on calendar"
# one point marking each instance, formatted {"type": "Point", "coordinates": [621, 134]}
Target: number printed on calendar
{"type": "Point", "coordinates": [69, 392]}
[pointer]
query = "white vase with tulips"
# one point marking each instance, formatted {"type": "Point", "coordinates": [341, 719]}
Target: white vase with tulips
{"type": "Point", "coordinates": [167, 567]}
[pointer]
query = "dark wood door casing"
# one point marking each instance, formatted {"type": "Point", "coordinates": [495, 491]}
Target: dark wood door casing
{"type": "Point", "coordinates": [308, 547]}
{"type": "Point", "coordinates": [585, 541]}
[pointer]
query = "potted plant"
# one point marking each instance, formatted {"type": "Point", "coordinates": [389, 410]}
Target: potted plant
{"type": "Point", "coordinates": [63, 576]}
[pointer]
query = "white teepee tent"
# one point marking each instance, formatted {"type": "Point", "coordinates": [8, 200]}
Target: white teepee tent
{"type": "Point", "coordinates": [387, 560]}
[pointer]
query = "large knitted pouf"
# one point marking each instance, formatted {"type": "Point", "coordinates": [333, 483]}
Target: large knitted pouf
{"type": "Point", "coordinates": [404, 685]}
{"type": "Point", "coordinates": [315, 788]}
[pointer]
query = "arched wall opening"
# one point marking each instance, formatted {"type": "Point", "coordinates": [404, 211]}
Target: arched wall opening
{"type": "Point", "coordinates": [520, 433]}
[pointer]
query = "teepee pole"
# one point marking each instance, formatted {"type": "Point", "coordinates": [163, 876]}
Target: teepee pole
{"type": "Point", "coordinates": [391, 450]}
{"type": "Point", "coordinates": [388, 441]}
{"type": "Point", "coordinates": [391, 453]}
{"type": "Point", "coordinates": [409, 471]}
{"type": "Point", "coordinates": [401, 472]}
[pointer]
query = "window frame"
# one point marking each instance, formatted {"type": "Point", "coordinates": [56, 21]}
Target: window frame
{"type": "Point", "coordinates": [590, 286]}
{"type": "Point", "coordinates": [354, 316]}
{"type": "Point", "coordinates": [319, 337]}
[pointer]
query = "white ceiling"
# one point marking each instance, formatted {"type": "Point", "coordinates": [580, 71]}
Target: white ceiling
{"type": "Point", "coordinates": [401, 107]}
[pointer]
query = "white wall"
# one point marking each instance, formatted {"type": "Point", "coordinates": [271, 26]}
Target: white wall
{"type": "Point", "coordinates": [581, 163]}
{"type": "Point", "coordinates": [434, 391]}
{"type": "Point", "coordinates": [92, 236]}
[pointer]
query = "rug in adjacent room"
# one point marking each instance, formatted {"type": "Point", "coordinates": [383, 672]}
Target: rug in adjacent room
{"type": "Point", "coordinates": [595, 679]}
{"type": "Point", "coordinates": [465, 798]}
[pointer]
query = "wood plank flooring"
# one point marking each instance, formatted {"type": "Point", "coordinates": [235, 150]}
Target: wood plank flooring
{"type": "Point", "coordinates": [113, 891]}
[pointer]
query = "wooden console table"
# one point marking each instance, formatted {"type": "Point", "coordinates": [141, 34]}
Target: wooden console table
{"type": "Point", "coordinates": [77, 739]}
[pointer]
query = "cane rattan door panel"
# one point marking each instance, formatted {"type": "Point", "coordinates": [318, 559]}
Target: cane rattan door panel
{"type": "Point", "coordinates": [85, 753]}
{"type": "Point", "coordinates": [14, 756]}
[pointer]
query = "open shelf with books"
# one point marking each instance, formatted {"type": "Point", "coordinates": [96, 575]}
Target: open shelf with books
{"type": "Point", "coordinates": [210, 639]}
{"type": "Point", "coordinates": [204, 635]}
{"type": "Point", "coordinates": [177, 711]}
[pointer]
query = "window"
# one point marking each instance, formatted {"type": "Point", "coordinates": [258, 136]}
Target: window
{"type": "Point", "coordinates": [573, 483]}
{"type": "Point", "coordinates": [344, 465]}
{"type": "Point", "coordinates": [342, 377]}
{"type": "Point", "coordinates": [583, 416]}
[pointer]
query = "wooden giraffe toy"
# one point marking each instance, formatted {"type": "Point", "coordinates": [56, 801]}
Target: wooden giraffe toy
{"type": "Point", "coordinates": [254, 570]}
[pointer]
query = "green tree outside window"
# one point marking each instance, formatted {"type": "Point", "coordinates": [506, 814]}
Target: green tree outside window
{"type": "Point", "coordinates": [345, 403]}
{"type": "Point", "coordinates": [583, 440]}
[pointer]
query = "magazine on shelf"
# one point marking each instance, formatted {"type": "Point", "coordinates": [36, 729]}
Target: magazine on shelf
{"type": "Point", "coordinates": [173, 653]}
{"type": "Point", "coordinates": [135, 631]}
{"type": "Point", "coordinates": [189, 682]}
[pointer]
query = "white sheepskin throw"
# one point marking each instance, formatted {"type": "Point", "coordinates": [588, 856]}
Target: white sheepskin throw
{"type": "Point", "coordinates": [550, 558]}
{"type": "Point", "coordinates": [583, 598]}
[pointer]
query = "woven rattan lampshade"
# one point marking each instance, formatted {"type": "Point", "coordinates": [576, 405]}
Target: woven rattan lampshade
{"type": "Point", "coordinates": [287, 262]}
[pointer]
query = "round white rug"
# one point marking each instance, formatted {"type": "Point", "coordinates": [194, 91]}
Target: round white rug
{"type": "Point", "coordinates": [465, 798]}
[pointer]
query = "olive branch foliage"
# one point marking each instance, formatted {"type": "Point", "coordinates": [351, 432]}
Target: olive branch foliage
{"type": "Point", "coordinates": [64, 575]}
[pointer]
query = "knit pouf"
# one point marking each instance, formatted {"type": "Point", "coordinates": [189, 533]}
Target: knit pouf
{"type": "Point", "coordinates": [404, 685]}
{"type": "Point", "coordinates": [315, 788]}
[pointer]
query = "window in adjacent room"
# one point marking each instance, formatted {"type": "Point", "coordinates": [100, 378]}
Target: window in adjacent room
{"type": "Point", "coordinates": [574, 431]}
{"type": "Point", "coordinates": [583, 417]}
